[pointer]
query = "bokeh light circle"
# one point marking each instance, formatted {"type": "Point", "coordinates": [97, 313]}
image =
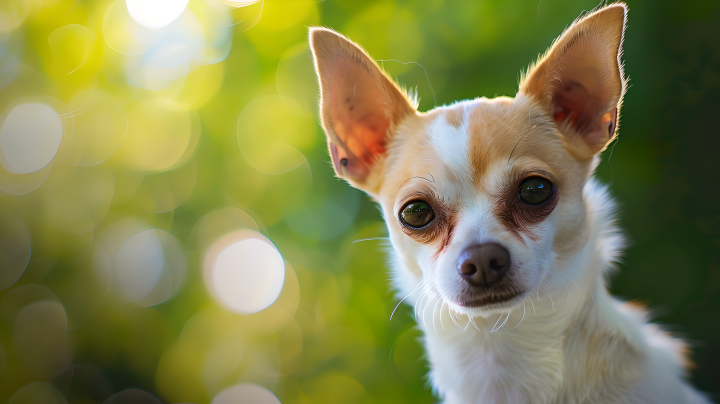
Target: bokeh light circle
{"type": "Point", "coordinates": [140, 265]}
{"type": "Point", "coordinates": [173, 55]}
{"type": "Point", "coordinates": [246, 394]}
{"type": "Point", "coordinates": [155, 14]}
{"type": "Point", "coordinates": [30, 138]}
{"type": "Point", "coordinates": [35, 131]}
{"type": "Point", "coordinates": [147, 265]}
{"type": "Point", "coordinates": [244, 271]}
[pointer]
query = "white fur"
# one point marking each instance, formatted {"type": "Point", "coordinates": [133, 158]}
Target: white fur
{"type": "Point", "coordinates": [446, 140]}
{"type": "Point", "coordinates": [539, 354]}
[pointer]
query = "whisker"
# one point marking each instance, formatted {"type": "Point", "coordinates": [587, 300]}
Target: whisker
{"type": "Point", "coordinates": [403, 299]}
{"type": "Point", "coordinates": [433, 316]}
{"type": "Point", "coordinates": [523, 316]}
{"type": "Point", "coordinates": [423, 312]}
{"type": "Point", "coordinates": [423, 306]}
{"type": "Point", "coordinates": [418, 304]}
{"type": "Point", "coordinates": [606, 209]}
{"type": "Point", "coordinates": [418, 65]}
{"type": "Point", "coordinates": [441, 307]}
{"type": "Point", "coordinates": [518, 142]}
{"type": "Point", "coordinates": [501, 325]}
{"type": "Point", "coordinates": [612, 172]}
{"type": "Point", "coordinates": [551, 302]}
{"type": "Point", "coordinates": [533, 306]}
{"type": "Point", "coordinates": [496, 323]}
{"type": "Point", "coordinates": [472, 320]}
{"type": "Point", "coordinates": [452, 317]}
{"type": "Point", "coordinates": [548, 294]}
{"type": "Point", "coordinates": [417, 270]}
{"type": "Point", "coordinates": [371, 239]}
{"type": "Point", "coordinates": [506, 320]}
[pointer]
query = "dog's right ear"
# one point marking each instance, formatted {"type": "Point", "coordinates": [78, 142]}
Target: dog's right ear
{"type": "Point", "coordinates": [580, 80]}
{"type": "Point", "coordinates": [360, 107]}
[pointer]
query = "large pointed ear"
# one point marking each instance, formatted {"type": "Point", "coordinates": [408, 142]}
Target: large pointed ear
{"type": "Point", "coordinates": [580, 80]}
{"type": "Point", "coordinates": [360, 107]}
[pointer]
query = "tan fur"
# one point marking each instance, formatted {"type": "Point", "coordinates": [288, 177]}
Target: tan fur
{"type": "Point", "coordinates": [454, 116]}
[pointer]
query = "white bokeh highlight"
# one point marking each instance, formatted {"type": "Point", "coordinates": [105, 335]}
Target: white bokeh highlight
{"type": "Point", "coordinates": [246, 394]}
{"type": "Point", "coordinates": [30, 137]}
{"type": "Point", "coordinates": [139, 265]}
{"type": "Point", "coordinates": [174, 53]}
{"type": "Point", "coordinates": [244, 272]}
{"type": "Point", "coordinates": [155, 14]}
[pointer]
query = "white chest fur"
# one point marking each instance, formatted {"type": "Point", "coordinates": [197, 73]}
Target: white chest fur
{"type": "Point", "coordinates": [592, 350]}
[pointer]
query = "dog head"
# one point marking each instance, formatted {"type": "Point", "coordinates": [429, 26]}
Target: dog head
{"type": "Point", "coordinates": [483, 198]}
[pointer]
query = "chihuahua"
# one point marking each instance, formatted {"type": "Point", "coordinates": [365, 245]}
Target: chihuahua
{"type": "Point", "coordinates": [501, 238]}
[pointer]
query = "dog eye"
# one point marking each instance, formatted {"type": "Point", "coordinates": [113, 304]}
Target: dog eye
{"type": "Point", "coordinates": [535, 191]}
{"type": "Point", "coordinates": [417, 214]}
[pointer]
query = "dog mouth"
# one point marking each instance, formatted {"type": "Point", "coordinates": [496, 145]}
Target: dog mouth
{"type": "Point", "coordinates": [488, 300]}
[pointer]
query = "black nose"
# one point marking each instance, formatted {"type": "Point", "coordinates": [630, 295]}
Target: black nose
{"type": "Point", "coordinates": [484, 264]}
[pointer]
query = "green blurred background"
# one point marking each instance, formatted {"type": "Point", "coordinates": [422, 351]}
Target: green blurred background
{"type": "Point", "coordinates": [229, 139]}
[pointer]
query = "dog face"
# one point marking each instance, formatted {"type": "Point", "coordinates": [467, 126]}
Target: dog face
{"type": "Point", "coordinates": [483, 198]}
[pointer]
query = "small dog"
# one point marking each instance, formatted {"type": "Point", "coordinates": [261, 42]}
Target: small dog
{"type": "Point", "coordinates": [501, 237]}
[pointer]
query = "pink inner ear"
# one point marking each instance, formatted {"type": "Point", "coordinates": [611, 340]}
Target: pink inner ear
{"type": "Point", "coordinates": [364, 139]}
{"type": "Point", "coordinates": [359, 109]}
{"type": "Point", "coordinates": [573, 103]}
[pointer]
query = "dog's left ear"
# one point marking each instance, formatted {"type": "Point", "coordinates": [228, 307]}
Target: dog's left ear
{"type": "Point", "coordinates": [360, 107]}
{"type": "Point", "coordinates": [580, 80]}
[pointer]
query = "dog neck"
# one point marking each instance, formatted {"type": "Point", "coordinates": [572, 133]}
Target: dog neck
{"type": "Point", "coordinates": [520, 355]}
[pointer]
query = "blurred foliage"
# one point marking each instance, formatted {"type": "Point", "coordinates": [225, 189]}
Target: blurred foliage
{"type": "Point", "coordinates": [151, 144]}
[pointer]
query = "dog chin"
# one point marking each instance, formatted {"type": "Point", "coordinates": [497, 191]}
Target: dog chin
{"type": "Point", "coordinates": [488, 306]}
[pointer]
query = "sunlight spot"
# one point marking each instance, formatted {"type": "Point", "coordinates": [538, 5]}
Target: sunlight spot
{"type": "Point", "coordinates": [155, 14]}
{"type": "Point", "coordinates": [245, 271]}
{"type": "Point", "coordinates": [30, 138]}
